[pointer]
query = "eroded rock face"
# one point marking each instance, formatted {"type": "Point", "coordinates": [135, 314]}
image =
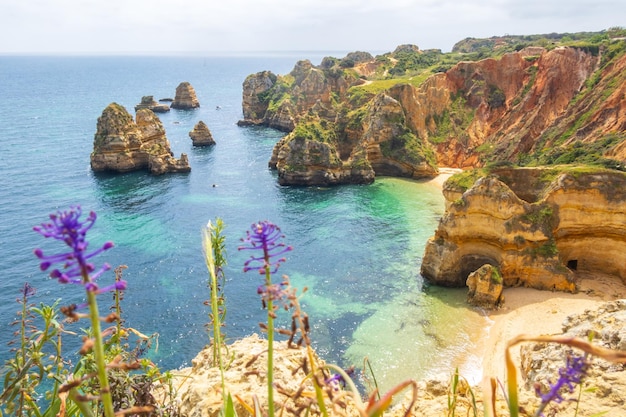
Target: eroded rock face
{"type": "Point", "coordinates": [201, 135]}
{"type": "Point", "coordinates": [524, 104]}
{"type": "Point", "coordinates": [578, 223]}
{"type": "Point", "coordinates": [185, 97]}
{"type": "Point", "coordinates": [301, 161]}
{"type": "Point", "coordinates": [485, 287]}
{"type": "Point", "coordinates": [122, 145]}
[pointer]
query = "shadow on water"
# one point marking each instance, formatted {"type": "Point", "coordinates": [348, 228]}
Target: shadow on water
{"type": "Point", "coordinates": [130, 191]}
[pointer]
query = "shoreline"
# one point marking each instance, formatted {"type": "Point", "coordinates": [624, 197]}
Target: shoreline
{"type": "Point", "coordinates": [531, 311]}
{"type": "Point", "coordinates": [541, 312]}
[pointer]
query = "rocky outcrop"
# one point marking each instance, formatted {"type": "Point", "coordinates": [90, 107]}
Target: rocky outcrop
{"type": "Point", "coordinates": [536, 105]}
{"type": "Point", "coordinates": [148, 102]}
{"type": "Point", "coordinates": [485, 287]}
{"type": "Point", "coordinates": [303, 161]}
{"type": "Point", "coordinates": [200, 391]}
{"type": "Point", "coordinates": [122, 145]}
{"type": "Point", "coordinates": [201, 135]}
{"type": "Point", "coordinates": [326, 146]}
{"type": "Point", "coordinates": [185, 97]}
{"type": "Point", "coordinates": [567, 221]}
{"type": "Point", "coordinates": [540, 362]}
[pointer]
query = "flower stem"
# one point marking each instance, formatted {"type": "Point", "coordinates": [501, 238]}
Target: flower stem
{"type": "Point", "coordinates": [270, 347]}
{"type": "Point", "coordinates": [105, 389]}
{"type": "Point", "coordinates": [270, 363]}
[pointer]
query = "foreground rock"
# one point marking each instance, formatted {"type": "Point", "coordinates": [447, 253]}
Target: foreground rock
{"type": "Point", "coordinates": [200, 392]}
{"type": "Point", "coordinates": [148, 102]}
{"type": "Point", "coordinates": [185, 98]}
{"type": "Point", "coordinates": [604, 387]}
{"type": "Point", "coordinates": [201, 135]}
{"type": "Point", "coordinates": [123, 145]}
{"type": "Point", "coordinates": [535, 225]}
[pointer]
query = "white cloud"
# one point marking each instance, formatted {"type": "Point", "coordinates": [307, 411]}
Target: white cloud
{"type": "Point", "coordinates": [208, 25]}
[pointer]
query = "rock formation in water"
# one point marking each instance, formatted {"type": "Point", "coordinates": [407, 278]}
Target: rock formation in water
{"type": "Point", "coordinates": [148, 102]}
{"type": "Point", "coordinates": [324, 146]}
{"type": "Point", "coordinates": [185, 97]}
{"type": "Point", "coordinates": [538, 226]}
{"type": "Point", "coordinates": [539, 105]}
{"type": "Point", "coordinates": [122, 145]}
{"type": "Point", "coordinates": [201, 135]}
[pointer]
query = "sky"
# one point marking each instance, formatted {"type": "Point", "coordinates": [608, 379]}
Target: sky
{"type": "Point", "coordinates": [232, 26]}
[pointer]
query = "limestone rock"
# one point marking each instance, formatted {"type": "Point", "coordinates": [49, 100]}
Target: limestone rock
{"type": "Point", "coordinates": [540, 362]}
{"type": "Point", "coordinates": [201, 135]}
{"type": "Point", "coordinates": [327, 147]}
{"type": "Point", "coordinates": [518, 106]}
{"type": "Point", "coordinates": [148, 102]}
{"type": "Point", "coordinates": [185, 97]}
{"type": "Point", "coordinates": [573, 222]}
{"type": "Point", "coordinates": [200, 394]}
{"type": "Point", "coordinates": [304, 161]}
{"type": "Point", "coordinates": [122, 145]}
{"type": "Point", "coordinates": [485, 287]}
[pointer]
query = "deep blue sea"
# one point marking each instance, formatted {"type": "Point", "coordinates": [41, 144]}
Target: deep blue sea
{"type": "Point", "coordinates": [357, 248]}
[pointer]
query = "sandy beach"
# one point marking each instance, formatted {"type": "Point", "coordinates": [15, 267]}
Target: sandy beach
{"type": "Point", "coordinates": [535, 312]}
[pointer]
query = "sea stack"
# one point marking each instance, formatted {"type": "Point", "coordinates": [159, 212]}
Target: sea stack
{"type": "Point", "coordinates": [185, 98]}
{"type": "Point", "coordinates": [148, 102]}
{"type": "Point", "coordinates": [121, 145]}
{"type": "Point", "coordinates": [201, 135]}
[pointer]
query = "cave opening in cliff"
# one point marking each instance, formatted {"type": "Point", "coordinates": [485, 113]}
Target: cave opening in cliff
{"type": "Point", "coordinates": [471, 263]}
{"type": "Point", "coordinates": [572, 264]}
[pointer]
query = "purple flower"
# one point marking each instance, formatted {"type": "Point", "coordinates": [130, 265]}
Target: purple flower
{"type": "Point", "coordinates": [573, 373]}
{"type": "Point", "coordinates": [266, 238]}
{"type": "Point", "coordinates": [28, 290]}
{"type": "Point", "coordinates": [76, 268]}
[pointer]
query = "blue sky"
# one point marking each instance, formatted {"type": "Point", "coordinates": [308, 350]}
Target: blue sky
{"type": "Point", "coordinates": [180, 26]}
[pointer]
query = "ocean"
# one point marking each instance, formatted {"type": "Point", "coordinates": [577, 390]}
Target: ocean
{"type": "Point", "coordinates": [357, 248]}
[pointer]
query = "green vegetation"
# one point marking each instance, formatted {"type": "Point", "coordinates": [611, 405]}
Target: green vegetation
{"type": "Point", "coordinates": [547, 250]}
{"type": "Point", "coordinates": [407, 147]}
{"type": "Point", "coordinates": [319, 130]}
{"type": "Point", "coordinates": [496, 276]}
{"type": "Point", "coordinates": [466, 179]}
{"type": "Point", "coordinates": [584, 153]}
{"type": "Point", "coordinates": [453, 122]}
{"type": "Point", "coordinates": [346, 110]}
{"type": "Point", "coordinates": [540, 217]}
{"type": "Point", "coordinates": [532, 71]}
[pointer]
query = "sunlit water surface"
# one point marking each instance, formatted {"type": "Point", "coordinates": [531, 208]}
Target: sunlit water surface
{"type": "Point", "coordinates": [357, 248]}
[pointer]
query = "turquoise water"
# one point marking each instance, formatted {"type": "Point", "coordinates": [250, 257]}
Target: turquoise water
{"type": "Point", "coordinates": [357, 248]}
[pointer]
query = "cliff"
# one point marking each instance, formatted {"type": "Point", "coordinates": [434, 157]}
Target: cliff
{"type": "Point", "coordinates": [538, 226]}
{"type": "Point", "coordinates": [410, 111]}
{"type": "Point", "coordinates": [199, 386]}
{"type": "Point", "coordinates": [122, 145]}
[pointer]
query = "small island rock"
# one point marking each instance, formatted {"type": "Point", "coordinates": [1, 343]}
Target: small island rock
{"type": "Point", "coordinates": [185, 97]}
{"type": "Point", "coordinates": [148, 102]}
{"type": "Point", "coordinates": [123, 145]}
{"type": "Point", "coordinates": [201, 135]}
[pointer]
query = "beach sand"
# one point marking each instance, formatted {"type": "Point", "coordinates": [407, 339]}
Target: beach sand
{"type": "Point", "coordinates": [535, 312]}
